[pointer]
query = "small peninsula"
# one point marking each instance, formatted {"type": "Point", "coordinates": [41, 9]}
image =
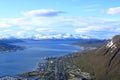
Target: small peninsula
{"type": "Point", "coordinates": [6, 47]}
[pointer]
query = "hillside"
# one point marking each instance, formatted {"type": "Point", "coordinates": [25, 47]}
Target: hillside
{"type": "Point", "coordinates": [11, 40]}
{"type": "Point", "coordinates": [104, 62]}
{"type": "Point", "coordinates": [5, 47]}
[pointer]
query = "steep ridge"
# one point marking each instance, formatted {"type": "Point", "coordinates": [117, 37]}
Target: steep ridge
{"type": "Point", "coordinates": [104, 62]}
{"type": "Point", "coordinates": [108, 57]}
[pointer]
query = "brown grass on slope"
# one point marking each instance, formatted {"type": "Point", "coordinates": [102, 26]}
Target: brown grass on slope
{"type": "Point", "coordinates": [103, 63]}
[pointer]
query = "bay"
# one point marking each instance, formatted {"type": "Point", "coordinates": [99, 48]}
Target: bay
{"type": "Point", "coordinates": [13, 63]}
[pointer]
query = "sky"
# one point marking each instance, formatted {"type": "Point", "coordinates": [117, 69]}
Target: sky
{"type": "Point", "coordinates": [41, 18]}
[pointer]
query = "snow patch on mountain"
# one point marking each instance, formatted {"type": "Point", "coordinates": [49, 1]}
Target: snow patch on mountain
{"type": "Point", "coordinates": [111, 45]}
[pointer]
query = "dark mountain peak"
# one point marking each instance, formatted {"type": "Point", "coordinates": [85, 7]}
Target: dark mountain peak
{"type": "Point", "coordinates": [117, 37]}
{"type": "Point", "coordinates": [116, 40]}
{"type": "Point", "coordinates": [114, 43]}
{"type": "Point", "coordinates": [112, 48]}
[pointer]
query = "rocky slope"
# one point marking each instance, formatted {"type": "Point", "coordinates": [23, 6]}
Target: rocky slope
{"type": "Point", "coordinates": [104, 62]}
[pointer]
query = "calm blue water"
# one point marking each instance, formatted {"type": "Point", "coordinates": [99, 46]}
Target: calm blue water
{"type": "Point", "coordinates": [23, 61]}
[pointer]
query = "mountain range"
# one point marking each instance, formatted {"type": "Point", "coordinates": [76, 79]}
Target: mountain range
{"type": "Point", "coordinates": [50, 36]}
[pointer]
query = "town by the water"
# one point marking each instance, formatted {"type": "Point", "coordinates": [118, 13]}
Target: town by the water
{"type": "Point", "coordinates": [54, 68]}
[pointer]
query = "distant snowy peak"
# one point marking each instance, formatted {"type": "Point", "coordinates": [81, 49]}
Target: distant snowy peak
{"type": "Point", "coordinates": [50, 36]}
{"type": "Point", "coordinates": [61, 36]}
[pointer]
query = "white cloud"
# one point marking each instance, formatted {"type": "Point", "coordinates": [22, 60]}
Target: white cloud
{"type": "Point", "coordinates": [98, 28]}
{"type": "Point", "coordinates": [44, 30]}
{"type": "Point", "coordinates": [87, 29]}
{"type": "Point", "coordinates": [4, 24]}
{"type": "Point", "coordinates": [26, 28]}
{"type": "Point", "coordinates": [19, 33]}
{"type": "Point", "coordinates": [79, 23]}
{"type": "Point", "coordinates": [43, 13]}
{"type": "Point", "coordinates": [115, 10]}
{"type": "Point", "coordinates": [7, 31]}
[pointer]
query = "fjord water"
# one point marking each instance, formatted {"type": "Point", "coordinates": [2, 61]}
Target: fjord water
{"type": "Point", "coordinates": [13, 63]}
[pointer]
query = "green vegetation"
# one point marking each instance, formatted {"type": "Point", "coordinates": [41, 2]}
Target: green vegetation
{"type": "Point", "coordinates": [96, 65]}
{"type": "Point", "coordinates": [84, 63]}
{"type": "Point", "coordinates": [30, 74]}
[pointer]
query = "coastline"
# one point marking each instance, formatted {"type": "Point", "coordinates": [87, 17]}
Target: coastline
{"type": "Point", "coordinates": [11, 57]}
{"type": "Point", "coordinates": [57, 68]}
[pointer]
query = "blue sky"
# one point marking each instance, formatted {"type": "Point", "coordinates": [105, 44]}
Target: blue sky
{"type": "Point", "coordinates": [27, 18]}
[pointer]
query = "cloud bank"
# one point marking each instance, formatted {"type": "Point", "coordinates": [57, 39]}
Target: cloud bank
{"type": "Point", "coordinates": [44, 23]}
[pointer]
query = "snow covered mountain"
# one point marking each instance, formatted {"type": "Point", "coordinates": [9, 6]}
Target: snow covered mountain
{"type": "Point", "coordinates": [60, 36]}
{"type": "Point", "coordinates": [49, 36]}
